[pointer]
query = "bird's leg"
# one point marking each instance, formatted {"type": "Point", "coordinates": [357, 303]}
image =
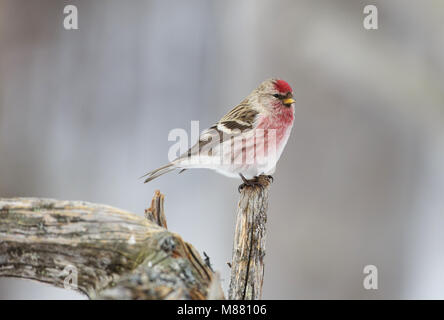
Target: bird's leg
{"type": "Point", "coordinates": [260, 181]}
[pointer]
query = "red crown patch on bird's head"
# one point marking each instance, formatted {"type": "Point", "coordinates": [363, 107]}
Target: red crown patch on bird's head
{"type": "Point", "coordinates": [282, 86]}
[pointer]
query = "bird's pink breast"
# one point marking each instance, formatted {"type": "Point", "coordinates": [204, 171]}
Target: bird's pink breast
{"type": "Point", "coordinates": [280, 120]}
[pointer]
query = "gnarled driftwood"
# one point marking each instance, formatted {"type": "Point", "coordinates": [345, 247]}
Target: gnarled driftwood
{"type": "Point", "coordinates": [105, 252]}
{"type": "Point", "coordinates": [108, 253]}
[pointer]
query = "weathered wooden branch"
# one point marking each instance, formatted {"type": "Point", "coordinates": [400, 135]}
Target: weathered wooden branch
{"type": "Point", "coordinates": [247, 265]}
{"type": "Point", "coordinates": [109, 253]}
{"type": "Point", "coordinates": [112, 253]}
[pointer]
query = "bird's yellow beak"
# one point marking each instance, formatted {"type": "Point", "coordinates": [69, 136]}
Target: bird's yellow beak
{"type": "Point", "coordinates": [288, 101]}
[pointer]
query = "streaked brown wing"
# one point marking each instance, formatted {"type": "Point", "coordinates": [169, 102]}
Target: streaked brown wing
{"type": "Point", "coordinates": [240, 119]}
{"type": "Point", "coordinates": [206, 139]}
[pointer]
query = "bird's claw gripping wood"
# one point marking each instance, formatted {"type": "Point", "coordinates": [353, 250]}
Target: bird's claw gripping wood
{"type": "Point", "coordinates": [259, 181]}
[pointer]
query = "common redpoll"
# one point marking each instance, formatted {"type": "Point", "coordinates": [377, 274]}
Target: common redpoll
{"type": "Point", "coordinates": [248, 141]}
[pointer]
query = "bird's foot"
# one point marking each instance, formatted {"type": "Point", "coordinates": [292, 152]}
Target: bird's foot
{"type": "Point", "coordinates": [259, 181]}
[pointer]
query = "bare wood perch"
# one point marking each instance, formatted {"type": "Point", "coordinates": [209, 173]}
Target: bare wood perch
{"type": "Point", "coordinates": [117, 254]}
{"type": "Point", "coordinates": [247, 265]}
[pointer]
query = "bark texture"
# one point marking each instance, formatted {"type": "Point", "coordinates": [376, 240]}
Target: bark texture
{"type": "Point", "coordinates": [110, 253]}
{"type": "Point", "coordinates": [247, 266]}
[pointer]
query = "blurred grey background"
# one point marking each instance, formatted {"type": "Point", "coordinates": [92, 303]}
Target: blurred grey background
{"type": "Point", "coordinates": [84, 113]}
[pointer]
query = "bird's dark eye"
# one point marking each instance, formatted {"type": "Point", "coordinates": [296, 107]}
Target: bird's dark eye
{"type": "Point", "coordinates": [277, 96]}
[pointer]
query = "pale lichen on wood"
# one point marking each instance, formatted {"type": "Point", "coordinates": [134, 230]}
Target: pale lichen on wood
{"type": "Point", "coordinates": [120, 255]}
{"type": "Point", "coordinates": [117, 254]}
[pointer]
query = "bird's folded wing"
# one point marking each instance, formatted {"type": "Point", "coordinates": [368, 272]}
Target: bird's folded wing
{"type": "Point", "coordinates": [238, 121]}
{"type": "Point", "coordinates": [242, 117]}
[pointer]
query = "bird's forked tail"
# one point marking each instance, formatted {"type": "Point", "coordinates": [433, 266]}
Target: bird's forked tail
{"type": "Point", "coordinates": [158, 172]}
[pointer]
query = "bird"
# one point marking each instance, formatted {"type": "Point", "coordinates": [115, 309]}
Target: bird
{"type": "Point", "coordinates": [247, 142]}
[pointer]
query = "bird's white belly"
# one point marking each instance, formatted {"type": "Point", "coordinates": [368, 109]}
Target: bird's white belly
{"type": "Point", "coordinates": [259, 156]}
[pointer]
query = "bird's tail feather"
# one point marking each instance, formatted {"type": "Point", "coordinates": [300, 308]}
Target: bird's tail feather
{"type": "Point", "coordinates": [158, 172]}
